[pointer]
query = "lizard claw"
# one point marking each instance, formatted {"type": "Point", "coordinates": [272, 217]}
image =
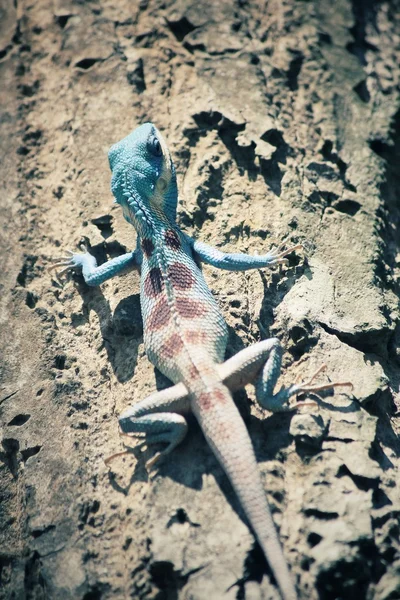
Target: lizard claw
{"type": "Point", "coordinates": [302, 403]}
{"type": "Point", "coordinates": [309, 386]}
{"type": "Point", "coordinates": [277, 254]}
{"type": "Point", "coordinates": [150, 464]}
{"type": "Point", "coordinates": [143, 442]}
{"type": "Point", "coordinates": [65, 263]}
{"type": "Point", "coordinates": [153, 461]}
{"type": "Point", "coordinates": [109, 459]}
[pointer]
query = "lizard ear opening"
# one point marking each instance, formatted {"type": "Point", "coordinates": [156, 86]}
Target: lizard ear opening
{"type": "Point", "coordinates": [162, 184]}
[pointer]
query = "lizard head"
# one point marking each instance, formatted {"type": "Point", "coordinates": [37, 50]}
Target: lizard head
{"type": "Point", "coordinates": [143, 177]}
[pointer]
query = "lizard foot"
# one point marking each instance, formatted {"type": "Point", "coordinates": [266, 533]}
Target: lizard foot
{"type": "Point", "coordinates": [158, 456]}
{"type": "Point", "coordinates": [149, 464]}
{"type": "Point", "coordinates": [280, 401]}
{"type": "Point", "coordinates": [109, 459]}
{"type": "Point", "coordinates": [309, 386]}
{"type": "Point", "coordinates": [64, 261]}
{"type": "Point", "coordinates": [278, 254]}
{"type": "Point", "coordinates": [72, 260]}
{"type": "Point", "coordinates": [145, 441]}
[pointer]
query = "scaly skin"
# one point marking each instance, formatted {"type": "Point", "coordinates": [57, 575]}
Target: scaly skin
{"type": "Point", "coordinates": [185, 334]}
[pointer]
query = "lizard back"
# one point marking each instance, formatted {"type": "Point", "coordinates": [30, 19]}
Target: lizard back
{"type": "Point", "coordinates": [185, 331]}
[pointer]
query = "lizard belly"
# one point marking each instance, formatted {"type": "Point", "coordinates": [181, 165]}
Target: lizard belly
{"type": "Point", "coordinates": [184, 328]}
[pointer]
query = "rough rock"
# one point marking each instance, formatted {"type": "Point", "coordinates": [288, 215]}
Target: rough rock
{"type": "Point", "coordinates": [283, 121]}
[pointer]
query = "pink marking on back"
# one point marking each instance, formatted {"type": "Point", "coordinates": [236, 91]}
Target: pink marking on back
{"type": "Point", "coordinates": [194, 372]}
{"type": "Point", "coordinates": [195, 336]}
{"type": "Point", "coordinates": [172, 239]}
{"type": "Point", "coordinates": [189, 308]}
{"type": "Point", "coordinates": [154, 283]}
{"type": "Point", "coordinates": [147, 246]}
{"type": "Point", "coordinates": [159, 316]}
{"type": "Point", "coordinates": [181, 276]}
{"type": "Point", "coordinates": [207, 400]}
{"type": "Point", "coordinates": [172, 346]}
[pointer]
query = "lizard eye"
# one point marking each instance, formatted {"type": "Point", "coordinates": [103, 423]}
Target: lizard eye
{"type": "Point", "coordinates": [154, 146]}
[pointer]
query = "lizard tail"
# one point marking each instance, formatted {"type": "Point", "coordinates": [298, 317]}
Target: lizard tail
{"type": "Point", "coordinates": [227, 436]}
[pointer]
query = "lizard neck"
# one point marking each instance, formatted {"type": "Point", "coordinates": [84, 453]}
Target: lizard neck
{"type": "Point", "coordinates": [151, 221]}
{"type": "Point", "coordinates": [153, 232]}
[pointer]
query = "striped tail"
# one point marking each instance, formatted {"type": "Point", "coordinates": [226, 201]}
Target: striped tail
{"type": "Point", "coordinates": [227, 435]}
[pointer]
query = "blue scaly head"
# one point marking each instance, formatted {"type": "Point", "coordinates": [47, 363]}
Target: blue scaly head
{"type": "Point", "coordinates": [143, 179]}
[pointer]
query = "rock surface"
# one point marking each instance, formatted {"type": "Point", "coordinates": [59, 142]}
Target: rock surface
{"type": "Point", "coordinates": [283, 120]}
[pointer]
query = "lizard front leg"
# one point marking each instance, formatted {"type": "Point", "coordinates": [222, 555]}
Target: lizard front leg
{"type": "Point", "coordinates": [238, 261]}
{"type": "Point", "coordinates": [160, 418]}
{"type": "Point", "coordinates": [261, 364]}
{"type": "Point", "coordinates": [93, 274]}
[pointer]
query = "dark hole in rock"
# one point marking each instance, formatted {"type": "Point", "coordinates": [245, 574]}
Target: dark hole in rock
{"type": "Point", "coordinates": [380, 148]}
{"type": "Point", "coordinates": [349, 207]}
{"type": "Point", "coordinates": [59, 361]}
{"type": "Point", "coordinates": [39, 532]}
{"type": "Point", "coordinates": [181, 28]}
{"type": "Point", "coordinates": [313, 539]}
{"type": "Point", "coordinates": [93, 594]}
{"type": "Point", "coordinates": [294, 71]}
{"type": "Point", "coordinates": [31, 299]}
{"type": "Point", "coordinates": [19, 420]}
{"type": "Point", "coordinates": [29, 452]}
{"type": "Point", "coordinates": [86, 63]}
{"type": "Point", "coordinates": [22, 150]}
{"type": "Point", "coordinates": [62, 20]}
{"type": "Point", "coordinates": [362, 91]}
{"type": "Point", "coordinates": [273, 137]}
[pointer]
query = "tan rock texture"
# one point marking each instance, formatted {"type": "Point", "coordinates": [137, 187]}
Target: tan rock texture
{"type": "Point", "coordinates": [283, 120]}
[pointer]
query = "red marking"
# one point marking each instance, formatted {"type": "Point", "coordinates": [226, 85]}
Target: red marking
{"type": "Point", "coordinates": [195, 337]}
{"type": "Point", "coordinates": [207, 400]}
{"type": "Point", "coordinates": [147, 247]}
{"type": "Point", "coordinates": [201, 370]}
{"type": "Point", "coordinates": [153, 284]}
{"type": "Point", "coordinates": [159, 316]}
{"type": "Point", "coordinates": [194, 372]}
{"type": "Point", "coordinates": [181, 276]}
{"type": "Point", "coordinates": [172, 239]}
{"type": "Point", "coordinates": [172, 346]}
{"type": "Point", "coordinates": [190, 309]}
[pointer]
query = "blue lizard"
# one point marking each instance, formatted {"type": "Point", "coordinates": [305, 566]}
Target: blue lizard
{"type": "Point", "coordinates": [185, 334]}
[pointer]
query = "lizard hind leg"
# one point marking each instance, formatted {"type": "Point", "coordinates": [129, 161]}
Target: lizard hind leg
{"type": "Point", "coordinates": [169, 428]}
{"type": "Point", "coordinates": [158, 419]}
{"type": "Point", "coordinates": [260, 364]}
